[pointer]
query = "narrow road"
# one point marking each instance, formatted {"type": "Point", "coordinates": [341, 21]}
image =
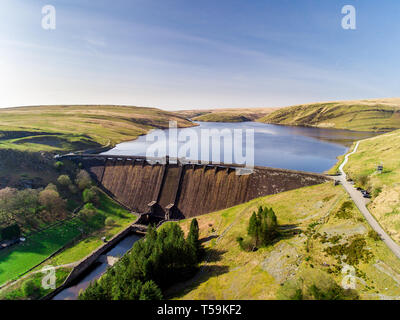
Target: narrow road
{"type": "Point", "coordinates": [360, 202]}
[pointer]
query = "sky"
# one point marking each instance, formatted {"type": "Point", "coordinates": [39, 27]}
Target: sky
{"type": "Point", "coordinates": [186, 54]}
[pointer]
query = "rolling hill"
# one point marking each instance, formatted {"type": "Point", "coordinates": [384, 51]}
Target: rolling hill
{"type": "Point", "coordinates": [71, 128]}
{"type": "Point", "coordinates": [384, 187]}
{"type": "Point", "coordinates": [322, 231]}
{"type": "Point", "coordinates": [379, 115]}
{"type": "Point", "coordinates": [227, 115]}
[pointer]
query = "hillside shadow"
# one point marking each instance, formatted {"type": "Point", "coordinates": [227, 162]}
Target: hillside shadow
{"type": "Point", "coordinates": [209, 238]}
{"type": "Point", "coordinates": [287, 231]}
{"type": "Point", "coordinates": [212, 255]}
{"type": "Point", "coordinates": [204, 273]}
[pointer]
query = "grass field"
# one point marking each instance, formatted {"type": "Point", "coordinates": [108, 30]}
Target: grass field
{"type": "Point", "coordinates": [22, 257]}
{"type": "Point", "coordinates": [15, 291]}
{"type": "Point", "coordinates": [226, 115]}
{"type": "Point", "coordinates": [231, 273]}
{"type": "Point", "coordinates": [81, 249]}
{"type": "Point", "coordinates": [66, 128]}
{"type": "Point", "coordinates": [385, 187]}
{"type": "Point", "coordinates": [362, 115]}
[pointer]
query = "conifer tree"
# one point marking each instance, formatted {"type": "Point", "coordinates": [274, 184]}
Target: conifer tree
{"type": "Point", "coordinates": [252, 229]}
{"type": "Point", "coordinates": [193, 238]}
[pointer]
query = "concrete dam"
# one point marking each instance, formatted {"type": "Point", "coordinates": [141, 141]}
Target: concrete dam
{"type": "Point", "coordinates": [166, 190]}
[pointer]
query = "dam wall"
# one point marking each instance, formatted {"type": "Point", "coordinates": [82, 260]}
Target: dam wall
{"type": "Point", "coordinates": [183, 190]}
{"type": "Point", "coordinates": [134, 184]}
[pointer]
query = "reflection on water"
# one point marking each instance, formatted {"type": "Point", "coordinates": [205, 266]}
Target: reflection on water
{"type": "Point", "coordinates": [286, 147]}
{"type": "Point", "coordinates": [98, 269]}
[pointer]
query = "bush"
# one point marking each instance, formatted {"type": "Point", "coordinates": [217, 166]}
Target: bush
{"type": "Point", "coordinates": [374, 235]}
{"type": "Point", "coordinates": [353, 253]}
{"type": "Point", "coordinates": [315, 286]}
{"type": "Point", "coordinates": [377, 191]}
{"type": "Point", "coordinates": [59, 165]}
{"type": "Point", "coordinates": [362, 180]}
{"type": "Point", "coordinates": [87, 212]}
{"type": "Point", "coordinates": [73, 188]}
{"type": "Point", "coordinates": [30, 290]}
{"type": "Point", "coordinates": [345, 210]}
{"type": "Point", "coordinates": [91, 195]}
{"type": "Point", "coordinates": [246, 244]}
{"type": "Point", "coordinates": [11, 232]}
{"type": "Point", "coordinates": [83, 180]}
{"type": "Point", "coordinates": [64, 180]}
{"type": "Point", "coordinates": [109, 221]}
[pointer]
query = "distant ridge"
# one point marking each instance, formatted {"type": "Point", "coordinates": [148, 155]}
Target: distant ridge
{"type": "Point", "coordinates": [378, 115]}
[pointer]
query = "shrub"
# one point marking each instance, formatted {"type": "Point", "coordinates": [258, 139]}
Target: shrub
{"type": "Point", "coordinates": [109, 221]}
{"type": "Point", "coordinates": [73, 188]}
{"type": "Point", "coordinates": [362, 179]}
{"type": "Point", "coordinates": [87, 212]}
{"type": "Point", "coordinates": [315, 286]}
{"type": "Point", "coordinates": [377, 191]}
{"type": "Point", "coordinates": [51, 186]}
{"type": "Point", "coordinates": [59, 165]}
{"type": "Point", "coordinates": [354, 252]}
{"type": "Point", "coordinates": [345, 210]}
{"type": "Point", "coordinates": [91, 195]}
{"type": "Point", "coordinates": [374, 235]}
{"type": "Point", "coordinates": [64, 180]}
{"type": "Point", "coordinates": [246, 244]}
{"type": "Point", "coordinates": [30, 290]}
{"type": "Point", "coordinates": [83, 180]}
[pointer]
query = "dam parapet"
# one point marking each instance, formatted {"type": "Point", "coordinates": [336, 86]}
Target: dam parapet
{"type": "Point", "coordinates": [170, 188]}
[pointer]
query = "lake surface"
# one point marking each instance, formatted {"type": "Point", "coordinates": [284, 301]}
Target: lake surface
{"type": "Point", "coordinates": [99, 267]}
{"type": "Point", "coordinates": [286, 147]}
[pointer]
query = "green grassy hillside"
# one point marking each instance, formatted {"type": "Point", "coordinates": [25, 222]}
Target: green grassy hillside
{"type": "Point", "coordinates": [384, 187]}
{"type": "Point", "coordinates": [363, 115]}
{"type": "Point", "coordinates": [226, 115]}
{"type": "Point", "coordinates": [221, 117]}
{"type": "Point", "coordinates": [326, 219]}
{"type": "Point", "coordinates": [66, 128]}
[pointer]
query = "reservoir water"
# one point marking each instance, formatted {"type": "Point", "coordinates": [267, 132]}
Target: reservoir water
{"type": "Point", "coordinates": [285, 147]}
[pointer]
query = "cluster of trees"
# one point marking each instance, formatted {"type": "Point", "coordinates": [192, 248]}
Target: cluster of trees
{"type": "Point", "coordinates": [159, 260]}
{"type": "Point", "coordinates": [31, 208]}
{"type": "Point", "coordinates": [35, 208]}
{"type": "Point", "coordinates": [262, 229]}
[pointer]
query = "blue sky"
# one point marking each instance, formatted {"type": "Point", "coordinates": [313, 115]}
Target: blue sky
{"type": "Point", "coordinates": [184, 54]}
